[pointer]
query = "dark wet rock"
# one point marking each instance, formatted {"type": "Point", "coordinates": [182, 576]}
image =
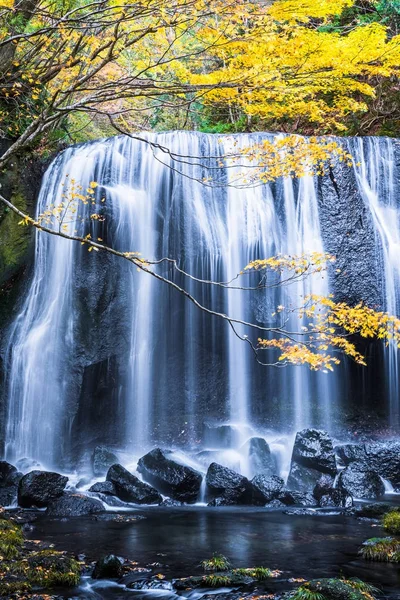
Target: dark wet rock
{"type": "Point", "coordinates": [295, 498]}
{"type": "Point", "coordinates": [226, 484]}
{"type": "Point", "coordinates": [323, 486]}
{"type": "Point", "coordinates": [73, 505]}
{"type": "Point", "coordinates": [9, 474]}
{"type": "Point", "coordinates": [261, 459]}
{"type": "Point", "coordinates": [108, 567]}
{"type": "Point", "coordinates": [8, 495]}
{"type": "Point", "coordinates": [170, 502]}
{"type": "Point", "coordinates": [312, 456]}
{"type": "Point", "coordinates": [226, 500]}
{"type": "Point", "coordinates": [336, 497]}
{"type": "Point", "coordinates": [361, 482]}
{"type": "Point", "coordinates": [102, 460]}
{"type": "Point", "coordinates": [26, 464]}
{"type": "Point", "coordinates": [382, 457]}
{"type": "Point", "coordinates": [129, 487]}
{"type": "Point", "coordinates": [38, 488]}
{"type": "Point", "coordinates": [266, 488]}
{"type": "Point", "coordinates": [275, 504]}
{"type": "Point", "coordinates": [328, 496]}
{"type": "Point", "coordinates": [170, 477]}
{"type": "Point", "coordinates": [374, 510]}
{"type": "Point", "coordinates": [223, 436]}
{"type": "Point", "coordinates": [104, 487]}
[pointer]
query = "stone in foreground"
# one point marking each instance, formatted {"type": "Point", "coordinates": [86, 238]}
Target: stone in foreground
{"type": "Point", "coordinates": [266, 488]}
{"type": "Point", "coordinates": [38, 488]}
{"type": "Point", "coordinates": [312, 456]}
{"type": "Point", "coordinates": [108, 567]}
{"type": "Point", "coordinates": [361, 481]}
{"type": "Point", "coordinates": [227, 486]}
{"type": "Point", "coordinates": [129, 488]}
{"type": "Point", "coordinates": [171, 478]}
{"type": "Point", "coordinates": [73, 505]}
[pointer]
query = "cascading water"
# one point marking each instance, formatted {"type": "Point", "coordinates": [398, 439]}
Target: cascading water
{"type": "Point", "coordinates": [375, 170]}
{"type": "Point", "coordinates": [100, 353]}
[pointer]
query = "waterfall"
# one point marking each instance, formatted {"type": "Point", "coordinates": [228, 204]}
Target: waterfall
{"type": "Point", "coordinates": [375, 170]}
{"type": "Point", "coordinates": [101, 353]}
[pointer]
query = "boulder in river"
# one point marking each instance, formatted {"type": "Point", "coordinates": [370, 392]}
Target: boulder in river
{"type": "Point", "coordinates": [361, 482]}
{"type": "Point", "coordinates": [328, 496]}
{"type": "Point", "coordinates": [102, 460]}
{"type": "Point", "coordinates": [104, 487]}
{"type": "Point", "coordinates": [108, 567]}
{"type": "Point", "coordinates": [129, 488]}
{"type": "Point", "coordinates": [180, 482]}
{"type": "Point", "coordinates": [296, 498]}
{"type": "Point", "coordinates": [382, 457]}
{"type": "Point", "coordinates": [266, 488]}
{"type": "Point", "coordinates": [261, 459]}
{"type": "Point", "coordinates": [38, 488]}
{"type": "Point", "coordinates": [312, 456]}
{"type": "Point", "coordinates": [9, 479]}
{"type": "Point", "coordinates": [73, 505]}
{"type": "Point", "coordinates": [229, 486]}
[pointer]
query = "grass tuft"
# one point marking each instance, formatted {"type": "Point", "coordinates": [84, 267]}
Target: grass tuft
{"type": "Point", "coordinates": [381, 549]}
{"type": "Point", "coordinates": [218, 562]}
{"type": "Point", "coordinates": [391, 522]}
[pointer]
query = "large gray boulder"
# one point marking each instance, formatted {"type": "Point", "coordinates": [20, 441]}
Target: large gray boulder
{"type": "Point", "coordinates": [312, 456]}
{"type": "Point", "coordinates": [73, 505]}
{"type": "Point", "coordinates": [267, 488]}
{"type": "Point", "coordinates": [361, 482]}
{"type": "Point", "coordinates": [38, 488]}
{"type": "Point", "coordinates": [382, 457]}
{"type": "Point", "coordinates": [180, 482]}
{"type": "Point", "coordinates": [129, 488]}
{"type": "Point", "coordinates": [228, 486]}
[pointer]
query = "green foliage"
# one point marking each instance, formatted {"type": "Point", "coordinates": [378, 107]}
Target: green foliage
{"type": "Point", "coordinates": [334, 589]}
{"type": "Point", "coordinates": [381, 549]}
{"type": "Point", "coordinates": [391, 522]}
{"type": "Point", "coordinates": [259, 573]}
{"type": "Point", "coordinates": [218, 562]}
{"type": "Point", "coordinates": [11, 539]}
{"type": "Point", "coordinates": [217, 580]}
{"type": "Point", "coordinates": [48, 568]}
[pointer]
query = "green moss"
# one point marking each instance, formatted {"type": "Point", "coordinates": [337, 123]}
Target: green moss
{"type": "Point", "coordinates": [11, 539]}
{"type": "Point", "coordinates": [391, 522]}
{"type": "Point", "coordinates": [7, 588]}
{"type": "Point", "coordinates": [217, 580]}
{"type": "Point", "coordinates": [48, 568]}
{"type": "Point", "coordinates": [381, 549]}
{"type": "Point", "coordinates": [14, 238]}
{"type": "Point", "coordinates": [334, 589]}
{"type": "Point", "coordinates": [259, 573]}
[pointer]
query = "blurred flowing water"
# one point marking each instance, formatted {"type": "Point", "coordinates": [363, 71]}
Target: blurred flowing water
{"type": "Point", "coordinates": [101, 353]}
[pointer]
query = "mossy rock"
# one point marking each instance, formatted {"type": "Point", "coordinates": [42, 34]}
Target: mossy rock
{"type": "Point", "coordinates": [234, 577]}
{"type": "Point", "coordinates": [381, 549]}
{"type": "Point", "coordinates": [391, 522]}
{"type": "Point", "coordinates": [48, 568]}
{"type": "Point", "coordinates": [334, 589]}
{"type": "Point", "coordinates": [11, 539]}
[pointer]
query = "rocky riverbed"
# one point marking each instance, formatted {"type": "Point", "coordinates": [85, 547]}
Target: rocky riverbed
{"type": "Point", "coordinates": [146, 531]}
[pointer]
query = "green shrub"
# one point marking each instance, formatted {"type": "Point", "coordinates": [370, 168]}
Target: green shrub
{"type": "Point", "coordinates": [381, 549]}
{"type": "Point", "coordinates": [218, 562]}
{"type": "Point", "coordinates": [391, 522]}
{"type": "Point", "coordinates": [11, 539]}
